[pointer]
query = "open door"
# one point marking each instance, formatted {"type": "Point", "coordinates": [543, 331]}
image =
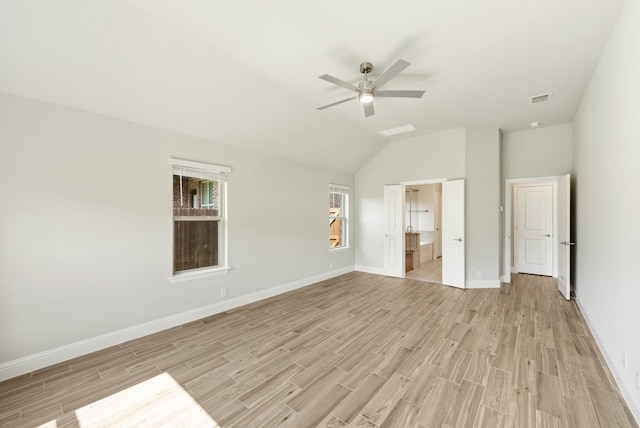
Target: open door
{"type": "Point", "coordinates": [437, 222]}
{"type": "Point", "coordinates": [453, 241]}
{"type": "Point", "coordinates": [564, 236]}
{"type": "Point", "coordinates": [394, 258]}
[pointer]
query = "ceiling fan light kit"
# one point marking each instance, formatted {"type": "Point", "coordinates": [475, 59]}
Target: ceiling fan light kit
{"type": "Point", "coordinates": [368, 90]}
{"type": "Point", "coordinates": [366, 97]}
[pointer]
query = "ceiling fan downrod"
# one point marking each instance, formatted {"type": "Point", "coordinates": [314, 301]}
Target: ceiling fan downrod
{"type": "Point", "coordinates": [366, 93]}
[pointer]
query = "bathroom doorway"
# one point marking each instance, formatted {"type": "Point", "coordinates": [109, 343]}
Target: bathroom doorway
{"type": "Point", "coordinates": [423, 235]}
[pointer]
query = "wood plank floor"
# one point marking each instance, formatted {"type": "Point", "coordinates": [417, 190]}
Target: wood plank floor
{"type": "Point", "coordinates": [430, 271]}
{"type": "Point", "coordinates": [357, 350]}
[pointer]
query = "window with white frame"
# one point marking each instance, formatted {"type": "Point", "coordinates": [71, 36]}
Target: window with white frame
{"type": "Point", "coordinates": [199, 217]}
{"type": "Point", "coordinates": [338, 216]}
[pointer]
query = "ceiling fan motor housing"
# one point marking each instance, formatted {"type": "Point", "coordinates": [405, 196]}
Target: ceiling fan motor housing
{"type": "Point", "coordinates": [366, 67]}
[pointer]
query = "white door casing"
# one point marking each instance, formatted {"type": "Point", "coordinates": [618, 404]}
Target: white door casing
{"type": "Point", "coordinates": [453, 239]}
{"type": "Point", "coordinates": [534, 228]}
{"type": "Point", "coordinates": [394, 258]}
{"type": "Point", "coordinates": [564, 236]}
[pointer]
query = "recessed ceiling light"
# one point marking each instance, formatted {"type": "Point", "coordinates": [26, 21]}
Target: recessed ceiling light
{"type": "Point", "coordinates": [398, 130]}
{"type": "Point", "coordinates": [535, 124]}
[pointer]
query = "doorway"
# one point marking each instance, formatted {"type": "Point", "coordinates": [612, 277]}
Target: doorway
{"type": "Point", "coordinates": [396, 236]}
{"type": "Point", "coordinates": [423, 245]}
{"type": "Point", "coordinates": [531, 248]}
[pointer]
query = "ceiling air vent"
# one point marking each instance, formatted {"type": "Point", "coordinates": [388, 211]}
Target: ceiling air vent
{"type": "Point", "coordinates": [541, 98]}
{"type": "Point", "coordinates": [398, 130]}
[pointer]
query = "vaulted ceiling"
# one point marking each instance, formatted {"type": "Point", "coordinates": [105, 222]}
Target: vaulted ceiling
{"type": "Point", "coordinates": [245, 73]}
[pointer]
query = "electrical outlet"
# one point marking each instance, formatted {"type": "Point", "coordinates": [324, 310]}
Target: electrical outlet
{"type": "Point", "coordinates": [478, 273]}
{"type": "Point", "coordinates": [624, 360]}
{"type": "Point", "coordinates": [330, 265]}
{"type": "Point", "coordinates": [223, 292]}
{"type": "Point", "coordinates": [638, 380]}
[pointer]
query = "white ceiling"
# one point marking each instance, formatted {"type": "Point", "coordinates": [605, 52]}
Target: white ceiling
{"type": "Point", "coordinates": [245, 73]}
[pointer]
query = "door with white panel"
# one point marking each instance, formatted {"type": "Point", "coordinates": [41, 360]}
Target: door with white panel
{"type": "Point", "coordinates": [534, 228]}
{"type": "Point", "coordinates": [437, 216]}
{"type": "Point", "coordinates": [453, 241]}
{"type": "Point", "coordinates": [394, 257]}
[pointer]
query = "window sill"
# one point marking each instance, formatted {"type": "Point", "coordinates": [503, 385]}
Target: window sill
{"type": "Point", "coordinates": [339, 250]}
{"type": "Point", "coordinates": [197, 274]}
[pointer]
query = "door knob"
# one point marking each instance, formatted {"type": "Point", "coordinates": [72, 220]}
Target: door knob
{"type": "Point", "coordinates": [457, 239]}
{"type": "Point", "coordinates": [548, 235]}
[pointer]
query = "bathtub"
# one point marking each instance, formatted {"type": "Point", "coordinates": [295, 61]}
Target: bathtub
{"type": "Point", "coordinates": [426, 246]}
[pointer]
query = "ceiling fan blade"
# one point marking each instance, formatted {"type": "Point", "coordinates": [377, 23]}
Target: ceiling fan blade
{"type": "Point", "coordinates": [368, 109]}
{"type": "Point", "coordinates": [338, 82]}
{"type": "Point", "coordinates": [392, 72]}
{"type": "Point", "coordinates": [400, 94]}
{"type": "Point", "coordinates": [337, 102]}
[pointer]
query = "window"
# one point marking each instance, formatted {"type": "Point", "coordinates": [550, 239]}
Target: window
{"type": "Point", "coordinates": [199, 217]}
{"type": "Point", "coordinates": [208, 194]}
{"type": "Point", "coordinates": [338, 216]}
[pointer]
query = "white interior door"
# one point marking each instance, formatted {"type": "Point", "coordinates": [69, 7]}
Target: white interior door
{"type": "Point", "coordinates": [453, 243]}
{"type": "Point", "coordinates": [534, 228]}
{"type": "Point", "coordinates": [437, 222]}
{"type": "Point", "coordinates": [394, 258]}
{"type": "Point", "coordinates": [564, 236]}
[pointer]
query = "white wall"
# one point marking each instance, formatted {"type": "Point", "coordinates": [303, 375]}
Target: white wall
{"type": "Point", "coordinates": [433, 156]}
{"type": "Point", "coordinates": [425, 203]}
{"type": "Point", "coordinates": [422, 215]}
{"type": "Point", "coordinates": [470, 153]}
{"type": "Point", "coordinates": [86, 225]}
{"type": "Point", "coordinates": [539, 152]}
{"type": "Point", "coordinates": [482, 205]}
{"type": "Point", "coordinates": [607, 156]}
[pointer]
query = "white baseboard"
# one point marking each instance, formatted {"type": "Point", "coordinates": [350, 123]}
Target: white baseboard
{"type": "Point", "coordinates": [369, 269]}
{"type": "Point", "coordinates": [494, 283]}
{"type": "Point", "coordinates": [628, 397]}
{"type": "Point", "coordinates": [506, 279]}
{"type": "Point", "coordinates": [44, 359]}
{"type": "Point", "coordinates": [491, 283]}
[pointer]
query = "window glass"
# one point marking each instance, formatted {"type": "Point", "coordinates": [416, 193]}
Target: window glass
{"type": "Point", "coordinates": [338, 215]}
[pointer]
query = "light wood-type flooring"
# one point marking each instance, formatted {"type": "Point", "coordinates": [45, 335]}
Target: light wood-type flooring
{"type": "Point", "coordinates": [430, 271]}
{"type": "Point", "coordinates": [357, 350]}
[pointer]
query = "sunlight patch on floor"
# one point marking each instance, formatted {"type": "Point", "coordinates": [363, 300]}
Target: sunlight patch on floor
{"type": "Point", "coordinates": [157, 402]}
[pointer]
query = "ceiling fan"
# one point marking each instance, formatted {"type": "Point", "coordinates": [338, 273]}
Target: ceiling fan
{"type": "Point", "coordinates": [368, 90]}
